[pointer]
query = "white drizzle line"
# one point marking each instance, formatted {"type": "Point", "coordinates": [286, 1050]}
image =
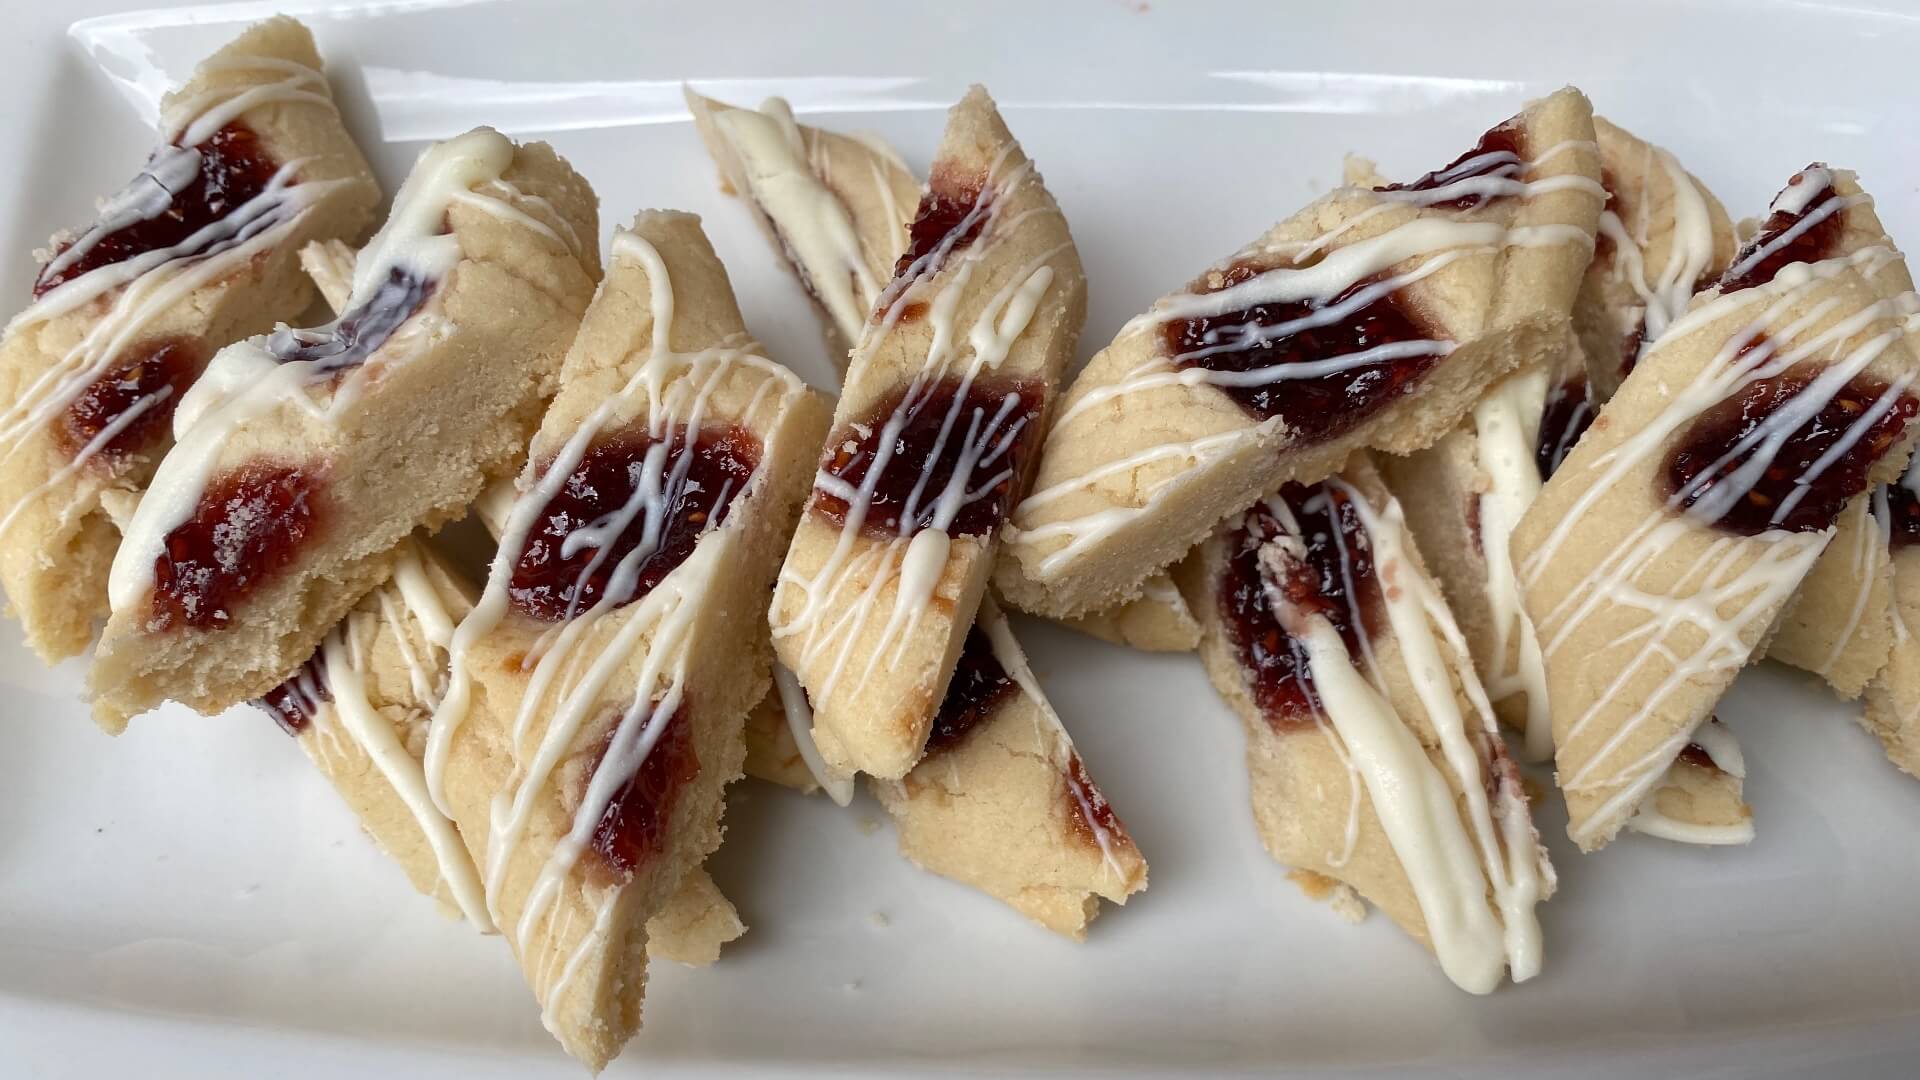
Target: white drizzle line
{"type": "Point", "coordinates": [1872, 538]}
{"type": "Point", "coordinates": [1449, 870]}
{"type": "Point", "coordinates": [1690, 250]}
{"type": "Point", "coordinates": [1721, 748]}
{"type": "Point", "coordinates": [1436, 242]}
{"type": "Point", "coordinates": [814, 228]}
{"type": "Point", "coordinates": [247, 380]}
{"type": "Point", "coordinates": [575, 664]}
{"type": "Point", "coordinates": [793, 702]}
{"type": "Point", "coordinates": [1506, 430]}
{"type": "Point", "coordinates": [834, 608]}
{"type": "Point", "coordinates": [1795, 200]}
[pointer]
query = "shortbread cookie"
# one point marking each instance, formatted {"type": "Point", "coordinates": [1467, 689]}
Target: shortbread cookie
{"type": "Point", "coordinates": [1700, 800]}
{"type": "Point", "coordinates": [597, 693]}
{"type": "Point", "coordinates": [1158, 620]}
{"type": "Point", "coordinates": [197, 251]}
{"type": "Point", "coordinates": [1003, 802]}
{"type": "Point", "coordinates": [1662, 236]}
{"type": "Point", "coordinates": [836, 206]}
{"type": "Point", "coordinates": [1893, 697]}
{"type": "Point", "coordinates": [302, 457]}
{"type": "Point", "coordinates": [1658, 558]}
{"type": "Point", "coordinates": [360, 707]}
{"type": "Point", "coordinates": [1373, 318]}
{"type": "Point", "coordinates": [1375, 758]}
{"type": "Point", "coordinates": [1839, 626]}
{"type": "Point", "coordinates": [945, 397]}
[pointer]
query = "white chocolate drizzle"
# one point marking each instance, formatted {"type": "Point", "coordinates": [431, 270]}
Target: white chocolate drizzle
{"type": "Point", "coordinates": [1664, 296]}
{"type": "Point", "coordinates": [577, 663]}
{"type": "Point", "coordinates": [799, 714]}
{"type": "Point", "coordinates": [250, 379]}
{"type": "Point", "coordinates": [1336, 282]}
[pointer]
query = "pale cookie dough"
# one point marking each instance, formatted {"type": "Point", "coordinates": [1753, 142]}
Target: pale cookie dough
{"type": "Point", "coordinates": [1658, 559]}
{"type": "Point", "coordinates": [598, 691]}
{"type": "Point", "coordinates": [945, 399]}
{"type": "Point", "coordinates": [1700, 801]}
{"type": "Point", "coordinates": [1893, 697]}
{"type": "Point", "coordinates": [1375, 760]}
{"type": "Point", "coordinates": [1002, 800]}
{"type": "Point", "coordinates": [1839, 626]}
{"type": "Point", "coordinates": [1373, 318]}
{"type": "Point", "coordinates": [304, 456]}
{"type": "Point", "coordinates": [92, 371]}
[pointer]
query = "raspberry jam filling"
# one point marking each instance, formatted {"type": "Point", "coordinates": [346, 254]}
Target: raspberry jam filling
{"type": "Point", "coordinates": [358, 334]}
{"type": "Point", "coordinates": [956, 455]}
{"type": "Point", "coordinates": [250, 524]}
{"type": "Point", "coordinates": [1696, 755]}
{"type": "Point", "coordinates": [633, 827]}
{"type": "Point", "coordinates": [1903, 511]}
{"type": "Point", "coordinates": [951, 216]}
{"type": "Point", "coordinates": [1090, 816]}
{"type": "Point", "coordinates": [1331, 398]}
{"type": "Point", "coordinates": [980, 684]}
{"type": "Point", "coordinates": [151, 379]}
{"type": "Point", "coordinates": [1802, 484]}
{"type": "Point", "coordinates": [233, 169]}
{"type": "Point", "coordinates": [1568, 414]}
{"type": "Point", "coordinates": [1810, 245]}
{"type": "Point", "coordinates": [1496, 154]}
{"type": "Point", "coordinates": [631, 511]}
{"type": "Point", "coordinates": [1332, 575]}
{"type": "Point", "coordinates": [295, 704]}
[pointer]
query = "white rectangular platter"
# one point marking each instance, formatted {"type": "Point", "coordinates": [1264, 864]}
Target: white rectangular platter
{"type": "Point", "coordinates": [192, 900]}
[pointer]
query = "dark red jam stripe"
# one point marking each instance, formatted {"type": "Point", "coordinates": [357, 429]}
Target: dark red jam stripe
{"type": "Point", "coordinates": [1568, 414]}
{"type": "Point", "coordinates": [249, 525]}
{"type": "Point", "coordinates": [1498, 153]}
{"type": "Point", "coordinates": [980, 684]}
{"type": "Point", "coordinates": [358, 334]}
{"type": "Point", "coordinates": [1819, 241]}
{"type": "Point", "coordinates": [633, 827]}
{"type": "Point", "coordinates": [157, 371]}
{"type": "Point", "coordinates": [295, 704]}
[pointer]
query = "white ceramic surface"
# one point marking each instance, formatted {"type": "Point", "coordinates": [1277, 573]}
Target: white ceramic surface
{"type": "Point", "coordinates": [192, 900]}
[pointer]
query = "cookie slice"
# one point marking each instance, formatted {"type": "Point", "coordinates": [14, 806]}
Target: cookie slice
{"type": "Point", "coordinates": [302, 457]}
{"type": "Point", "coordinates": [1662, 236]}
{"type": "Point", "coordinates": [945, 397]}
{"type": "Point", "coordinates": [835, 206]}
{"type": "Point", "coordinates": [1700, 800]}
{"type": "Point", "coordinates": [1373, 318]}
{"type": "Point", "coordinates": [196, 252]}
{"type": "Point", "coordinates": [1375, 759]}
{"type": "Point", "coordinates": [1839, 625]}
{"type": "Point", "coordinates": [1893, 697]}
{"type": "Point", "coordinates": [597, 692]}
{"type": "Point", "coordinates": [1002, 801]}
{"type": "Point", "coordinates": [1660, 555]}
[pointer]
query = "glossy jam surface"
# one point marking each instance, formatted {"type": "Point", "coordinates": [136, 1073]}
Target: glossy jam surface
{"type": "Point", "coordinates": [1088, 811]}
{"type": "Point", "coordinates": [1497, 154]}
{"type": "Point", "coordinates": [980, 684]}
{"type": "Point", "coordinates": [1314, 407]}
{"type": "Point", "coordinates": [1568, 414]}
{"type": "Point", "coordinates": [356, 335]}
{"type": "Point", "coordinates": [1817, 242]}
{"type": "Point", "coordinates": [249, 525]}
{"type": "Point", "coordinates": [1819, 466]}
{"type": "Point", "coordinates": [295, 704]}
{"type": "Point", "coordinates": [951, 215]}
{"type": "Point", "coordinates": [1903, 511]}
{"type": "Point", "coordinates": [151, 378]}
{"type": "Point", "coordinates": [633, 828]}
{"type": "Point", "coordinates": [1334, 578]}
{"type": "Point", "coordinates": [631, 497]}
{"type": "Point", "coordinates": [234, 168]}
{"type": "Point", "coordinates": [1696, 755]}
{"type": "Point", "coordinates": [974, 439]}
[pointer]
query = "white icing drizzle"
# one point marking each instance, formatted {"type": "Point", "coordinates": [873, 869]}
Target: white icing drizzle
{"type": "Point", "coordinates": [1747, 576]}
{"type": "Point", "coordinates": [799, 714]}
{"type": "Point", "coordinates": [1795, 199]}
{"type": "Point", "coordinates": [576, 662]}
{"type": "Point", "coordinates": [813, 226]}
{"type": "Point", "coordinates": [1721, 748]}
{"type": "Point", "coordinates": [247, 380]}
{"type": "Point", "coordinates": [1451, 864]}
{"type": "Point", "coordinates": [1870, 542]}
{"type": "Point", "coordinates": [1428, 243]}
{"type": "Point", "coordinates": [1506, 430]}
{"type": "Point", "coordinates": [1663, 298]}
{"type": "Point", "coordinates": [834, 608]}
{"type": "Point", "coordinates": [142, 289]}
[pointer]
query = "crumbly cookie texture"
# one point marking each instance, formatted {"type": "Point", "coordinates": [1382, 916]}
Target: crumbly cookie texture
{"type": "Point", "coordinates": [1340, 657]}
{"type": "Point", "coordinates": [772, 754]}
{"type": "Point", "coordinates": [1002, 800]}
{"type": "Point", "coordinates": [1372, 318]}
{"type": "Point", "coordinates": [1662, 236]}
{"type": "Point", "coordinates": [835, 207]}
{"type": "Point", "coordinates": [892, 556]}
{"type": "Point", "coordinates": [1893, 697]}
{"type": "Point", "coordinates": [611, 751]}
{"type": "Point", "coordinates": [1701, 799]}
{"type": "Point", "coordinates": [446, 401]}
{"type": "Point", "coordinates": [1659, 557]}
{"type": "Point", "coordinates": [1840, 624]}
{"type": "Point", "coordinates": [1158, 620]}
{"type": "Point", "coordinates": [91, 372]}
